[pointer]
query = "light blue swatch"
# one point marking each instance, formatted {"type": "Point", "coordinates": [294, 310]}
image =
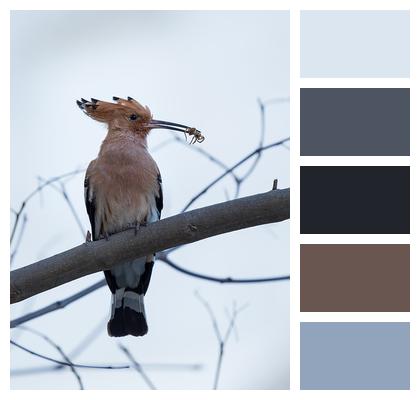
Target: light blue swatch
{"type": "Point", "coordinates": [355, 355]}
{"type": "Point", "coordinates": [355, 44]}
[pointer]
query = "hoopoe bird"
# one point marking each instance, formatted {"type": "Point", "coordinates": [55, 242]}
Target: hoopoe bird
{"type": "Point", "coordinates": [123, 189]}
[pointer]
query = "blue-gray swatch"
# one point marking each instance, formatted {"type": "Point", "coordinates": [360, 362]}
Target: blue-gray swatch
{"type": "Point", "coordinates": [362, 44]}
{"type": "Point", "coordinates": [355, 122]}
{"type": "Point", "coordinates": [355, 355]}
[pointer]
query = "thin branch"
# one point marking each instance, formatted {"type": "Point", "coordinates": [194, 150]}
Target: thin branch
{"type": "Point", "coordinates": [62, 190]}
{"type": "Point", "coordinates": [162, 256]}
{"type": "Point", "coordinates": [212, 316]}
{"type": "Point", "coordinates": [239, 163]}
{"type": "Point", "coordinates": [137, 367]}
{"type": "Point", "coordinates": [229, 317]}
{"type": "Point", "coordinates": [209, 156]}
{"type": "Point", "coordinates": [184, 228]}
{"type": "Point", "coordinates": [57, 305]}
{"type": "Point", "coordinates": [277, 100]}
{"type": "Point", "coordinates": [85, 342]}
{"type": "Point", "coordinates": [222, 340]}
{"type": "Point", "coordinates": [59, 349]}
{"type": "Point", "coordinates": [19, 239]}
{"type": "Point", "coordinates": [257, 152]}
{"type": "Point", "coordinates": [162, 145]}
{"type": "Point", "coordinates": [89, 338]}
{"type": "Point", "coordinates": [222, 344]}
{"type": "Point", "coordinates": [260, 144]}
{"type": "Point", "coordinates": [34, 353]}
{"type": "Point", "coordinates": [147, 366]}
{"type": "Point", "coordinates": [34, 192]}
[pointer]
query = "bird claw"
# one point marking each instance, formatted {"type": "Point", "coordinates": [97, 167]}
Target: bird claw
{"type": "Point", "coordinates": [88, 237]}
{"type": "Point", "coordinates": [137, 227]}
{"type": "Point", "coordinates": [104, 236]}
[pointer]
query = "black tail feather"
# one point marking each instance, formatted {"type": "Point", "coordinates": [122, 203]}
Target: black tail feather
{"type": "Point", "coordinates": [127, 314]}
{"type": "Point", "coordinates": [134, 322]}
{"type": "Point", "coordinates": [116, 326]}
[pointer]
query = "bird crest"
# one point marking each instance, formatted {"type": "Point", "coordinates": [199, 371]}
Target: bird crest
{"type": "Point", "coordinates": [104, 111]}
{"type": "Point", "coordinates": [129, 114]}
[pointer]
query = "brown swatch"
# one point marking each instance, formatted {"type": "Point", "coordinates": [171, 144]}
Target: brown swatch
{"type": "Point", "coordinates": [362, 277]}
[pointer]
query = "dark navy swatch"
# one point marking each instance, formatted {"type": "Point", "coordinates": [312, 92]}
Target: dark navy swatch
{"type": "Point", "coordinates": [355, 355]}
{"type": "Point", "coordinates": [355, 122]}
{"type": "Point", "coordinates": [358, 200]}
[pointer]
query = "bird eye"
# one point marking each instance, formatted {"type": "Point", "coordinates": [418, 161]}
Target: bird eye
{"type": "Point", "coordinates": [133, 117]}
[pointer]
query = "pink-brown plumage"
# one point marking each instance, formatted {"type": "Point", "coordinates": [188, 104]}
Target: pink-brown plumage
{"type": "Point", "coordinates": [123, 178]}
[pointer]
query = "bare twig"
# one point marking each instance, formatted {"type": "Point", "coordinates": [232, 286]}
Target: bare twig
{"type": "Point", "coordinates": [59, 349]}
{"type": "Point", "coordinates": [89, 338]}
{"type": "Point", "coordinates": [34, 353]}
{"type": "Point", "coordinates": [83, 345]}
{"type": "Point", "coordinates": [137, 366]}
{"type": "Point", "coordinates": [19, 239]}
{"type": "Point", "coordinates": [261, 142]}
{"type": "Point", "coordinates": [189, 227]}
{"type": "Point", "coordinates": [209, 310]}
{"type": "Point", "coordinates": [194, 367]}
{"type": "Point", "coordinates": [34, 192]}
{"type": "Point", "coordinates": [57, 305]}
{"type": "Point", "coordinates": [209, 156]}
{"type": "Point", "coordinates": [162, 145]}
{"type": "Point", "coordinates": [162, 256]}
{"type": "Point", "coordinates": [256, 154]}
{"type": "Point", "coordinates": [62, 190]}
{"type": "Point", "coordinates": [239, 163]}
{"type": "Point", "coordinates": [277, 100]}
{"type": "Point", "coordinates": [222, 340]}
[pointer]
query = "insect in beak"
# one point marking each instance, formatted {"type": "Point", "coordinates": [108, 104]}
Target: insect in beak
{"type": "Point", "coordinates": [186, 130]}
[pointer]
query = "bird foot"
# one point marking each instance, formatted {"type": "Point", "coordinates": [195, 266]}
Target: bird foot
{"type": "Point", "coordinates": [88, 237]}
{"type": "Point", "coordinates": [104, 236]}
{"type": "Point", "coordinates": [137, 227]}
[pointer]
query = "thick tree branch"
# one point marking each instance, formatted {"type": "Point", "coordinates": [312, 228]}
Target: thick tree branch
{"type": "Point", "coordinates": [188, 227]}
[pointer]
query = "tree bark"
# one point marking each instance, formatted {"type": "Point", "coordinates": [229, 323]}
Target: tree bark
{"type": "Point", "coordinates": [188, 227]}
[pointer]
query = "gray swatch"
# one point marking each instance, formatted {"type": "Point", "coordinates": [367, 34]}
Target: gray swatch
{"type": "Point", "coordinates": [363, 44]}
{"type": "Point", "coordinates": [355, 355]}
{"type": "Point", "coordinates": [355, 122]}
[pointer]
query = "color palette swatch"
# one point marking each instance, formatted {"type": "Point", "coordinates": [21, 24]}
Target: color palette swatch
{"type": "Point", "coordinates": [355, 44]}
{"type": "Point", "coordinates": [355, 278]}
{"type": "Point", "coordinates": [356, 200]}
{"type": "Point", "coordinates": [355, 355]}
{"type": "Point", "coordinates": [368, 120]}
{"type": "Point", "coordinates": [355, 122]}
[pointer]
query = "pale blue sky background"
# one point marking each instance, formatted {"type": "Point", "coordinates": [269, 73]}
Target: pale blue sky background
{"type": "Point", "coordinates": [206, 69]}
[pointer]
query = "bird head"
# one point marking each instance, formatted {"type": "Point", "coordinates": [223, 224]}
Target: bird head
{"type": "Point", "coordinates": [129, 115]}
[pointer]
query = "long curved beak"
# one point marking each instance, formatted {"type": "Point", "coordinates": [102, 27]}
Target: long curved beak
{"type": "Point", "coordinates": [158, 124]}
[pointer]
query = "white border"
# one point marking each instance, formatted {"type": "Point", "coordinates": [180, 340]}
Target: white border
{"type": "Point", "coordinates": [294, 6]}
